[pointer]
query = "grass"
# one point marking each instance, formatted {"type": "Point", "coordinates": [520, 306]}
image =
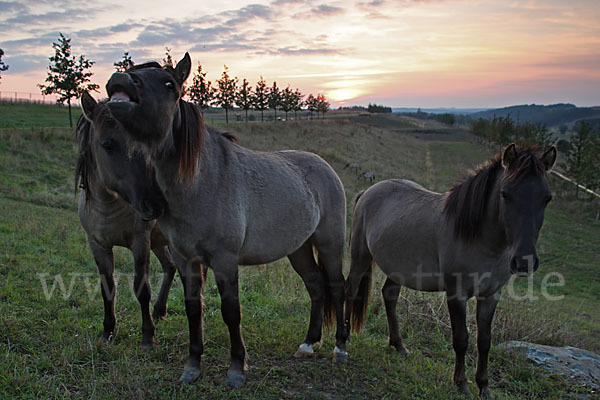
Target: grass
{"type": "Point", "coordinates": [25, 116]}
{"type": "Point", "coordinates": [51, 348]}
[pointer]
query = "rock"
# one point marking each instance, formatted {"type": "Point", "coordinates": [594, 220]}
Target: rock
{"type": "Point", "coordinates": [570, 362]}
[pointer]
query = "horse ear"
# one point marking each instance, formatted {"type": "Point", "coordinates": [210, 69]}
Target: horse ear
{"type": "Point", "coordinates": [509, 155]}
{"type": "Point", "coordinates": [88, 105]}
{"type": "Point", "coordinates": [183, 68]}
{"type": "Point", "coordinates": [549, 158]}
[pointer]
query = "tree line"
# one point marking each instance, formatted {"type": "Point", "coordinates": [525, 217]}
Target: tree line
{"type": "Point", "coordinates": [228, 92]}
{"type": "Point", "coordinates": [69, 76]}
{"type": "Point", "coordinates": [582, 150]}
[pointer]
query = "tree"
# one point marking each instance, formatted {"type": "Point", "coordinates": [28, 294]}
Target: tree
{"type": "Point", "coordinates": [68, 75]}
{"type": "Point", "coordinates": [274, 98]}
{"type": "Point", "coordinates": [287, 100]}
{"type": "Point", "coordinates": [201, 92]}
{"type": "Point", "coordinates": [583, 160]}
{"type": "Point", "coordinates": [225, 95]}
{"type": "Point", "coordinates": [298, 102]}
{"type": "Point", "coordinates": [168, 60]}
{"type": "Point", "coordinates": [322, 105]}
{"type": "Point", "coordinates": [244, 97]}
{"type": "Point", "coordinates": [3, 67]}
{"type": "Point", "coordinates": [260, 98]}
{"type": "Point", "coordinates": [311, 104]}
{"type": "Point", "coordinates": [125, 63]}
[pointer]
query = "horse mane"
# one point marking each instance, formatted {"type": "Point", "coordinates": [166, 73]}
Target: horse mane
{"type": "Point", "coordinates": [469, 198]}
{"type": "Point", "coordinates": [85, 158]}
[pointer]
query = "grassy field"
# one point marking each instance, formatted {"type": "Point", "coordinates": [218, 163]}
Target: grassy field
{"type": "Point", "coordinates": [51, 348]}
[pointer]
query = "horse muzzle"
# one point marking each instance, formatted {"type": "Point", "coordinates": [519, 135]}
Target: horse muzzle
{"type": "Point", "coordinates": [122, 93]}
{"type": "Point", "coordinates": [524, 265]}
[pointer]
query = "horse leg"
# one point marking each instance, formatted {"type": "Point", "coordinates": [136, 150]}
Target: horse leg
{"type": "Point", "coordinates": [106, 265]}
{"type": "Point", "coordinates": [166, 261]}
{"type": "Point", "coordinates": [457, 308]}
{"type": "Point", "coordinates": [391, 292]}
{"type": "Point", "coordinates": [141, 286]}
{"type": "Point", "coordinates": [304, 264]}
{"type": "Point", "coordinates": [330, 256]}
{"type": "Point", "coordinates": [193, 276]}
{"type": "Point", "coordinates": [485, 314]}
{"type": "Point", "coordinates": [226, 275]}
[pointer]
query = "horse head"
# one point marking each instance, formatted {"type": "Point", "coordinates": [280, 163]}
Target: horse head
{"type": "Point", "coordinates": [145, 99]}
{"type": "Point", "coordinates": [122, 172]}
{"type": "Point", "coordinates": [524, 194]}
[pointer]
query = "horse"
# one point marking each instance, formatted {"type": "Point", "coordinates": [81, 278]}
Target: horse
{"type": "Point", "coordinates": [109, 220]}
{"type": "Point", "coordinates": [367, 176]}
{"type": "Point", "coordinates": [466, 242]}
{"type": "Point", "coordinates": [230, 206]}
{"type": "Point", "coordinates": [354, 166]}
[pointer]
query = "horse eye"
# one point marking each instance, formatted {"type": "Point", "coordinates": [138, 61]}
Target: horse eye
{"type": "Point", "coordinates": [504, 195]}
{"type": "Point", "coordinates": [169, 85]}
{"type": "Point", "coordinates": [108, 145]}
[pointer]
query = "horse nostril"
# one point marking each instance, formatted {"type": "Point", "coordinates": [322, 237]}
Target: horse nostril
{"type": "Point", "coordinates": [513, 265]}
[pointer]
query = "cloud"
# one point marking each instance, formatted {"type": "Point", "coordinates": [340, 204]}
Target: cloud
{"type": "Point", "coordinates": [325, 10]}
{"type": "Point", "coordinates": [292, 51]}
{"type": "Point", "coordinates": [7, 6]}
{"type": "Point", "coordinates": [246, 14]}
{"type": "Point", "coordinates": [25, 18]}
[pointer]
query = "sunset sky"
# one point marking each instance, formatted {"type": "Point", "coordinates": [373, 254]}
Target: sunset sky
{"type": "Point", "coordinates": [406, 53]}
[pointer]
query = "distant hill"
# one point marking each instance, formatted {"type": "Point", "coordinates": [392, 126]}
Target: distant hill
{"type": "Point", "coordinates": [551, 115]}
{"type": "Point", "coordinates": [450, 110]}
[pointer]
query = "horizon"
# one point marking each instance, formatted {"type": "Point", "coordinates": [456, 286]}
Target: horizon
{"type": "Point", "coordinates": [401, 54]}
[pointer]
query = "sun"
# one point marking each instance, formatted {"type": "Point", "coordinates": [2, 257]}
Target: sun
{"type": "Point", "coordinates": [343, 94]}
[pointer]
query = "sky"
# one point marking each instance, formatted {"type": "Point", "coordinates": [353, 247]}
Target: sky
{"type": "Point", "coordinates": [403, 53]}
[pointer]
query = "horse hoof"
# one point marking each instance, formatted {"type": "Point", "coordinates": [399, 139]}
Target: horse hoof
{"type": "Point", "coordinates": [190, 374]}
{"type": "Point", "coordinates": [147, 345]}
{"type": "Point", "coordinates": [464, 390]}
{"type": "Point", "coordinates": [305, 350]}
{"type": "Point", "coordinates": [485, 393]}
{"type": "Point", "coordinates": [402, 350]}
{"type": "Point", "coordinates": [236, 380]}
{"type": "Point", "coordinates": [108, 336]}
{"type": "Point", "coordinates": [339, 356]}
{"type": "Point", "coordinates": [157, 315]}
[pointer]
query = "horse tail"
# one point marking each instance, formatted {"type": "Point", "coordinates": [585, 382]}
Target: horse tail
{"type": "Point", "coordinates": [329, 311]}
{"type": "Point", "coordinates": [358, 284]}
{"type": "Point", "coordinates": [356, 306]}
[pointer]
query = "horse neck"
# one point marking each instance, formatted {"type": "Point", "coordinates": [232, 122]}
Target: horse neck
{"type": "Point", "coordinates": [493, 235]}
{"type": "Point", "coordinates": [166, 163]}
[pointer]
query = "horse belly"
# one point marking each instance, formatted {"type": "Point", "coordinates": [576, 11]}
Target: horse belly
{"type": "Point", "coordinates": [282, 236]}
{"type": "Point", "coordinates": [279, 227]}
{"type": "Point", "coordinates": [415, 272]}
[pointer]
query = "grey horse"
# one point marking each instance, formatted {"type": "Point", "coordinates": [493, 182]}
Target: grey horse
{"type": "Point", "coordinates": [467, 242]}
{"type": "Point", "coordinates": [228, 205]}
{"type": "Point", "coordinates": [109, 220]}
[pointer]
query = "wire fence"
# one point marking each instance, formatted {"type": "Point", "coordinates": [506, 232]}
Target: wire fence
{"type": "Point", "coordinates": [31, 98]}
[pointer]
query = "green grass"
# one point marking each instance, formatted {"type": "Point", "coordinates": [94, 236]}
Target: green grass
{"type": "Point", "coordinates": [24, 116]}
{"type": "Point", "coordinates": [51, 348]}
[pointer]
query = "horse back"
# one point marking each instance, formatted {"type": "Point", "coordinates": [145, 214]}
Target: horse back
{"type": "Point", "coordinates": [400, 223]}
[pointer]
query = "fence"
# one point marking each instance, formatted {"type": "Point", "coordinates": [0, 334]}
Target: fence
{"type": "Point", "coordinates": [30, 98]}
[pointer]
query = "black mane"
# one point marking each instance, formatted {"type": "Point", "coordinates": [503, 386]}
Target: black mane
{"type": "Point", "coordinates": [85, 158]}
{"type": "Point", "coordinates": [468, 199]}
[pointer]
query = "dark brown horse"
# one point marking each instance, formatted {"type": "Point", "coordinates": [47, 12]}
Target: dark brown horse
{"type": "Point", "coordinates": [108, 218]}
{"type": "Point", "coordinates": [467, 242]}
{"type": "Point", "coordinates": [228, 205]}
